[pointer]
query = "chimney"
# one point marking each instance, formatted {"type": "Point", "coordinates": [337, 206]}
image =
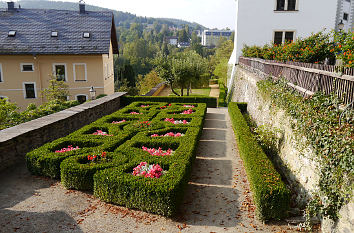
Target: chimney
{"type": "Point", "coordinates": [10, 6]}
{"type": "Point", "coordinates": [82, 8]}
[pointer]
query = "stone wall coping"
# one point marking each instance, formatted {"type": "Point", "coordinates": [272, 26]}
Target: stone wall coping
{"type": "Point", "coordinates": [12, 132]}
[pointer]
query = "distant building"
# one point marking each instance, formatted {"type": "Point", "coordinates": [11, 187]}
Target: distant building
{"type": "Point", "coordinates": [276, 21]}
{"type": "Point", "coordinates": [74, 46]}
{"type": "Point", "coordinates": [172, 40]}
{"type": "Point", "coordinates": [210, 38]}
{"type": "Point", "coordinates": [183, 44]}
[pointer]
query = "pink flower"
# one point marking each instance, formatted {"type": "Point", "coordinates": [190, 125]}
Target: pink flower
{"type": "Point", "coordinates": [176, 122]}
{"type": "Point", "coordinates": [188, 106]}
{"type": "Point", "coordinates": [148, 171]}
{"type": "Point", "coordinates": [145, 106]}
{"type": "Point", "coordinates": [118, 122]}
{"type": "Point", "coordinates": [102, 133]}
{"type": "Point", "coordinates": [70, 148]}
{"type": "Point", "coordinates": [158, 152]}
{"type": "Point", "coordinates": [135, 113]}
{"type": "Point", "coordinates": [186, 112]}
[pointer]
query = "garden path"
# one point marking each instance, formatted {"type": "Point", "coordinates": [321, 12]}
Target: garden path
{"type": "Point", "coordinates": [215, 91]}
{"type": "Point", "coordinates": [217, 198]}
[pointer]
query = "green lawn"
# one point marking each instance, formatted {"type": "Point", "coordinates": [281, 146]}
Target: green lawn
{"type": "Point", "coordinates": [195, 92]}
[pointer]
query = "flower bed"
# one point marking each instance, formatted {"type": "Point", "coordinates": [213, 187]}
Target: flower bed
{"type": "Point", "coordinates": [118, 175]}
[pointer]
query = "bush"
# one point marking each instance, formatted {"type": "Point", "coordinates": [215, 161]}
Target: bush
{"type": "Point", "coordinates": [313, 49]}
{"type": "Point", "coordinates": [271, 196]}
{"type": "Point", "coordinates": [210, 101]}
{"type": "Point", "coordinates": [222, 96]}
{"type": "Point", "coordinates": [110, 176]}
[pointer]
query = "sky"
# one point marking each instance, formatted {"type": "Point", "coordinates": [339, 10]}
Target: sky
{"type": "Point", "coordinates": [209, 13]}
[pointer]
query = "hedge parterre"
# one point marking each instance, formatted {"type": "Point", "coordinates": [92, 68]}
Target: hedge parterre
{"type": "Point", "coordinates": [270, 193]}
{"type": "Point", "coordinates": [134, 157]}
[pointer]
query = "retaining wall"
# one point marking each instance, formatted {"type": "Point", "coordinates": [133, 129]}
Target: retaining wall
{"type": "Point", "coordinates": [296, 159]}
{"type": "Point", "coordinates": [16, 141]}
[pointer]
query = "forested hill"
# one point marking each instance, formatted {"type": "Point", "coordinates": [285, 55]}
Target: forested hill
{"type": "Point", "coordinates": [121, 18]}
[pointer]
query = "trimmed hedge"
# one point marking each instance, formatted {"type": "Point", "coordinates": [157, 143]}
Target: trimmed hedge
{"type": "Point", "coordinates": [111, 178]}
{"type": "Point", "coordinates": [210, 101]}
{"type": "Point", "coordinates": [222, 96]}
{"type": "Point", "coordinates": [271, 196]}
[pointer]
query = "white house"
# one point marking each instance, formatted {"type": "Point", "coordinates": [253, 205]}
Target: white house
{"type": "Point", "coordinates": [259, 22]}
{"type": "Point", "coordinates": [210, 38]}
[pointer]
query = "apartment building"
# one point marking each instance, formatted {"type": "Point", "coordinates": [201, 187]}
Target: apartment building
{"type": "Point", "coordinates": [275, 21]}
{"type": "Point", "coordinates": [74, 46]}
{"type": "Point", "coordinates": [211, 38]}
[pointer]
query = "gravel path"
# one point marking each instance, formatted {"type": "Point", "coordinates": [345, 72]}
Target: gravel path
{"type": "Point", "coordinates": [215, 91]}
{"type": "Point", "coordinates": [217, 198]}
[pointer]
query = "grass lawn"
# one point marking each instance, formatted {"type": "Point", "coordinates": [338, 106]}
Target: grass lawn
{"type": "Point", "coordinates": [195, 92]}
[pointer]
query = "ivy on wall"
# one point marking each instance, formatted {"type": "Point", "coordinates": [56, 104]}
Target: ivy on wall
{"type": "Point", "coordinates": [329, 131]}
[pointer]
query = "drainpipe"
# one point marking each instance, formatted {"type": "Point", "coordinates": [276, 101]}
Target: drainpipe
{"type": "Point", "coordinates": [39, 76]}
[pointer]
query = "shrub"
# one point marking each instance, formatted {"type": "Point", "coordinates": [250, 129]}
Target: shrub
{"type": "Point", "coordinates": [222, 96]}
{"type": "Point", "coordinates": [271, 196]}
{"type": "Point", "coordinates": [104, 163]}
{"type": "Point", "coordinates": [77, 172]}
{"type": "Point", "coordinates": [210, 101]}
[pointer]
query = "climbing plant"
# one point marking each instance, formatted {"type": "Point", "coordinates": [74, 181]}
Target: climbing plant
{"type": "Point", "coordinates": [329, 131]}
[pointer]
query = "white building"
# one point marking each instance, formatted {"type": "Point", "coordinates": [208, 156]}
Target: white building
{"type": "Point", "coordinates": [210, 38]}
{"type": "Point", "coordinates": [259, 22]}
{"type": "Point", "coordinates": [172, 40]}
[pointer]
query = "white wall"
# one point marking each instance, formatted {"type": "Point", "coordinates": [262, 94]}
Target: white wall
{"type": "Point", "coordinates": [257, 21]}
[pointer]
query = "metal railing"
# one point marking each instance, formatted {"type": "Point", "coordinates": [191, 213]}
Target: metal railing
{"type": "Point", "coordinates": [305, 77]}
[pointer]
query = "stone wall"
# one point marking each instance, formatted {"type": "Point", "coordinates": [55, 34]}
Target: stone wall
{"type": "Point", "coordinates": [16, 141]}
{"type": "Point", "coordinates": [155, 91]}
{"type": "Point", "coordinates": [295, 159]}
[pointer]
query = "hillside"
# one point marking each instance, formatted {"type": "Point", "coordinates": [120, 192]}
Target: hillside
{"type": "Point", "coordinates": [121, 18]}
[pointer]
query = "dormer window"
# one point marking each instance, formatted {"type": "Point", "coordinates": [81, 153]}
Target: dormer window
{"type": "Point", "coordinates": [12, 33]}
{"type": "Point", "coordinates": [54, 34]}
{"type": "Point", "coordinates": [86, 35]}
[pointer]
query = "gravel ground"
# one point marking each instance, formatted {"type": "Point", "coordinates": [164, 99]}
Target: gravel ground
{"type": "Point", "coordinates": [217, 198]}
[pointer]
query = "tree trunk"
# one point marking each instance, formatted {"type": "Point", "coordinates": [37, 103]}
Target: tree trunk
{"type": "Point", "coordinates": [173, 91]}
{"type": "Point", "coordinates": [182, 89]}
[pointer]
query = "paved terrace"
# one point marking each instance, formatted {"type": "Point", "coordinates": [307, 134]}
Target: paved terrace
{"type": "Point", "coordinates": [217, 198]}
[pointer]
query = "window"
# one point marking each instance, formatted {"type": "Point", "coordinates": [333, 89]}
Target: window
{"type": "Point", "coordinates": [283, 36]}
{"type": "Point", "coordinates": [278, 38]}
{"type": "Point", "coordinates": [59, 70]}
{"type": "Point", "coordinates": [12, 33]}
{"type": "Point", "coordinates": [81, 98]}
{"type": "Point", "coordinates": [345, 16]}
{"type": "Point", "coordinates": [80, 72]}
{"type": "Point", "coordinates": [30, 90]}
{"type": "Point", "coordinates": [86, 35]}
{"type": "Point", "coordinates": [285, 5]}
{"type": "Point", "coordinates": [1, 75]}
{"type": "Point", "coordinates": [27, 67]}
{"type": "Point", "coordinates": [54, 34]}
{"type": "Point", "coordinates": [289, 36]}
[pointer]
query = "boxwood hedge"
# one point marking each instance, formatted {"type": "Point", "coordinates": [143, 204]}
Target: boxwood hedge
{"type": "Point", "coordinates": [270, 194]}
{"type": "Point", "coordinates": [111, 178]}
{"type": "Point", "coordinates": [211, 102]}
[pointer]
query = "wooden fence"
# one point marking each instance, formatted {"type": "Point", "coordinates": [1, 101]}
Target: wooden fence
{"type": "Point", "coordinates": [305, 77]}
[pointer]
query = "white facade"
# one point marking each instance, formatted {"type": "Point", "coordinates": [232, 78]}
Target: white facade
{"type": "Point", "coordinates": [210, 38]}
{"type": "Point", "coordinates": [258, 21]}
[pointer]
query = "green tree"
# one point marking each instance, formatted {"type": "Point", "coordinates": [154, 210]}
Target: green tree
{"type": "Point", "coordinates": [8, 114]}
{"type": "Point", "coordinates": [147, 82]}
{"type": "Point", "coordinates": [163, 67]}
{"type": "Point", "coordinates": [57, 90]}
